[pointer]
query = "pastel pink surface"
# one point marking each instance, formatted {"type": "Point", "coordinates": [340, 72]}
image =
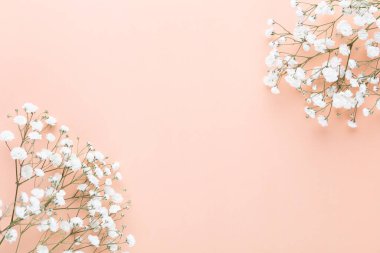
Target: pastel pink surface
{"type": "Point", "coordinates": [173, 89]}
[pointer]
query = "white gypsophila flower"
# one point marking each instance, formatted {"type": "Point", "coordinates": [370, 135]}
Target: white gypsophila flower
{"type": "Point", "coordinates": [118, 176]}
{"type": "Point", "coordinates": [38, 193]}
{"type": "Point", "coordinates": [344, 28]}
{"type": "Point", "coordinates": [98, 172]}
{"type": "Point", "coordinates": [26, 172]}
{"type": "Point", "coordinates": [114, 209]}
{"type": "Point", "coordinates": [366, 112]}
{"type": "Point", "coordinates": [39, 172]}
{"type": "Point", "coordinates": [50, 137]}
{"type": "Point", "coordinates": [53, 224]}
{"type": "Point", "coordinates": [90, 156]}
{"type": "Point", "coordinates": [64, 129]}
{"type": "Point", "coordinates": [93, 180]}
{"type": "Point", "coordinates": [99, 155]}
{"type": "Point", "coordinates": [352, 64]}
{"type": "Point", "coordinates": [76, 222]}
{"type": "Point", "coordinates": [131, 240]}
{"type": "Point", "coordinates": [82, 187]}
{"type": "Point", "coordinates": [51, 121]}
{"type": "Point", "coordinates": [275, 90]}
{"type": "Point", "coordinates": [351, 124]}
{"type": "Point", "coordinates": [42, 249]}
{"type": "Point", "coordinates": [56, 159]}
{"type": "Point", "coordinates": [310, 112]}
{"type": "Point", "coordinates": [112, 247]}
{"type": "Point", "coordinates": [344, 100]}
{"type": "Point", "coordinates": [24, 197]}
{"type": "Point", "coordinates": [67, 142]}
{"type": "Point", "coordinates": [65, 226]}
{"type": "Point", "coordinates": [74, 163]}
{"type": "Point", "coordinates": [20, 120]}
{"type": "Point", "coordinates": [330, 74]}
{"type": "Point", "coordinates": [376, 37]}
{"type": "Point", "coordinates": [322, 121]}
{"type": "Point", "coordinates": [60, 198]}
{"type": "Point", "coordinates": [43, 226]}
{"type": "Point", "coordinates": [323, 8]}
{"type": "Point", "coordinates": [344, 3]}
{"type": "Point", "coordinates": [11, 235]}
{"type": "Point", "coordinates": [363, 34]}
{"type": "Point", "coordinates": [94, 240]}
{"type": "Point", "coordinates": [115, 166]}
{"type": "Point", "coordinates": [30, 108]}
{"type": "Point", "coordinates": [65, 151]}
{"type": "Point", "coordinates": [270, 22]}
{"type": "Point", "coordinates": [6, 136]}
{"type": "Point", "coordinates": [295, 77]}
{"type": "Point", "coordinates": [113, 233]}
{"type": "Point", "coordinates": [56, 178]}
{"type": "Point", "coordinates": [78, 240]}
{"type": "Point", "coordinates": [344, 49]}
{"type": "Point", "coordinates": [373, 51]}
{"type": "Point", "coordinates": [107, 171]}
{"type": "Point", "coordinates": [35, 205]}
{"type": "Point", "coordinates": [34, 135]}
{"type": "Point", "coordinates": [36, 125]}
{"type": "Point", "coordinates": [21, 212]}
{"type": "Point", "coordinates": [18, 153]}
{"type": "Point", "coordinates": [108, 182]}
{"type": "Point", "coordinates": [44, 154]}
{"type": "Point", "coordinates": [268, 32]}
{"type": "Point", "coordinates": [117, 198]}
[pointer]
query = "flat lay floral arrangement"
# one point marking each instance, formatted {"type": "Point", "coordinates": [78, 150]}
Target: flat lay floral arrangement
{"type": "Point", "coordinates": [331, 57]}
{"type": "Point", "coordinates": [64, 191]}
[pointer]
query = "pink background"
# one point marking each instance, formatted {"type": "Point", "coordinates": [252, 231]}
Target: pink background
{"type": "Point", "coordinates": [213, 161]}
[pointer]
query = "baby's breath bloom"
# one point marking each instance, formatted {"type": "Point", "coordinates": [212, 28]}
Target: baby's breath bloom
{"type": "Point", "coordinates": [42, 249]}
{"type": "Point", "coordinates": [64, 129]}
{"type": "Point", "coordinates": [26, 172]}
{"type": "Point", "coordinates": [21, 212]}
{"type": "Point", "coordinates": [345, 28]}
{"type": "Point", "coordinates": [36, 125]}
{"type": "Point", "coordinates": [322, 121]}
{"type": "Point", "coordinates": [351, 124]}
{"type": "Point", "coordinates": [50, 137]}
{"type": "Point", "coordinates": [94, 240]}
{"type": "Point", "coordinates": [11, 235]}
{"type": "Point", "coordinates": [34, 136]}
{"type": "Point", "coordinates": [366, 112]}
{"type": "Point", "coordinates": [30, 108]}
{"type": "Point", "coordinates": [6, 136]}
{"type": "Point", "coordinates": [131, 240]}
{"type": "Point", "coordinates": [18, 153]}
{"type": "Point", "coordinates": [20, 120]}
{"type": "Point", "coordinates": [51, 121]}
{"type": "Point", "coordinates": [39, 172]}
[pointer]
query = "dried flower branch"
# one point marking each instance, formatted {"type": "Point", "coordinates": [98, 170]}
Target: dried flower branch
{"type": "Point", "coordinates": [63, 191]}
{"type": "Point", "coordinates": [331, 57]}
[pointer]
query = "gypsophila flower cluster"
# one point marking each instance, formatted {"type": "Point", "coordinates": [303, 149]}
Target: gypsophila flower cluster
{"type": "Point", "coordinates": [331, 57]}
{"type": "Point", "coordinates": [64, 191]}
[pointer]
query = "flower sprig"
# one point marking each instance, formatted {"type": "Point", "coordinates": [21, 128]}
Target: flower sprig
{"type": "Point", "coordinates": [331, 57]}
{"type": "Point", "coordinates": [65, 191]}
